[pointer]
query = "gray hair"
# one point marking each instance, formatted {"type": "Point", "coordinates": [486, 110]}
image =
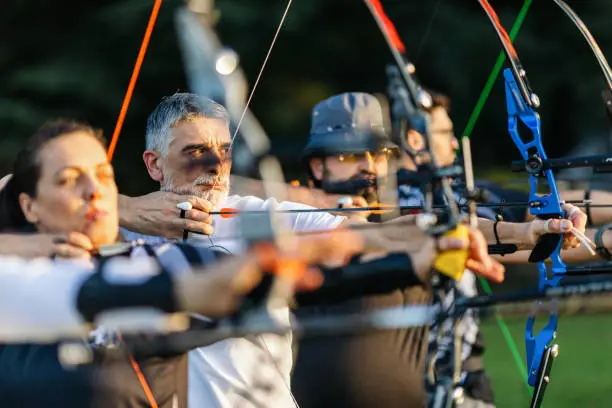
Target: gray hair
{"type": "Point", "coordinates": [173, 110]}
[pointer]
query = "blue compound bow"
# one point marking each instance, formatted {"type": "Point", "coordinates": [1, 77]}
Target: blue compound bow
{"type": "Point", "coordinates": [521, 104]}
{"type": "Point", "coordinates": [539, 348]}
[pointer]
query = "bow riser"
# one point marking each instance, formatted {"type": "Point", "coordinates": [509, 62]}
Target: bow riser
{"type": "Point", "coordinates": [545, 206]}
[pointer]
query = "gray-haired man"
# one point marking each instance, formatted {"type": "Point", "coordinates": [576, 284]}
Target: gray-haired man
{"type": "Point", "coordinates": [187, 152]}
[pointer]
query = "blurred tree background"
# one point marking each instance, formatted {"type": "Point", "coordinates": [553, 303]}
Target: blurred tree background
{"type": "Point", "coordinates": [69, 58]}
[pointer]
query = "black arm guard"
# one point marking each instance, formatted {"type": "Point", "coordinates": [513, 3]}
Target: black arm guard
{"type": "Point", "coordinates": [98, 294]}
{"type": "Point", "coordinates": [380, 276]}
{"type": "Point", "coordinates": [601, 249]}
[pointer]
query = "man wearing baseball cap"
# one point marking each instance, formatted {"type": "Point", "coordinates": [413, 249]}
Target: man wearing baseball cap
{"type": "Point", "coordinates": [348, 141]}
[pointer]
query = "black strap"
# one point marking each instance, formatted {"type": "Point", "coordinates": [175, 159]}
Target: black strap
{"type": "Point", "coordinates": [498, 218]}
{"type": "Point", "coordinates": [191, 254]}
{"type": "Point", "coordinates": [499, 248]}
{"type": "Point", "coordinates": [602, 251]}
{"type": "Point", "coordinates": [150, 251]}
{"type": "Point", "coordinates": [502, 249]}
{"type": "Point", "coordinates": [185, 232]}
{"type": "Point", "coordinates": [587, 207]}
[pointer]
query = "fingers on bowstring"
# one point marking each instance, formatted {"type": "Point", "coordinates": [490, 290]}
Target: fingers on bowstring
{"type": "Point", "coordinates": [198, 215]}
{"type": "Point", "coordinates": [199, 203]}
{"type": "Point", "coordinates": [183, 224]}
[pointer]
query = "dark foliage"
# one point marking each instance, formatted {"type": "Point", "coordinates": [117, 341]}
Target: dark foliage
{"type": "Point", "coordinates": [72, 58]}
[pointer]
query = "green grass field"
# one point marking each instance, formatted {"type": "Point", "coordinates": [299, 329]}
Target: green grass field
{"type": "Point", "coordinates": [581, 376]}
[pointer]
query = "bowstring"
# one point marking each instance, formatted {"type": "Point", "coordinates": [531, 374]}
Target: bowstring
{"type": "Point", "coordinates": [260, 73]}
{"type": "Point", "coordinates": [255, 85]}
{"type": "Point", "coordinates": [432, 19]}
{"type": "Point", "coordinates": [242, 115]}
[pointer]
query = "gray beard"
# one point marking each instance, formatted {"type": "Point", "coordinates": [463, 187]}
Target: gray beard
{"type": "Point", "coordinates": [215, 197]}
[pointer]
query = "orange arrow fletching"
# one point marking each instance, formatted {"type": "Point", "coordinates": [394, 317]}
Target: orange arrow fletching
{"type": "Point", "coordinates": [382, 208]}
{"type": "Point", "coordinates": [228, 212]}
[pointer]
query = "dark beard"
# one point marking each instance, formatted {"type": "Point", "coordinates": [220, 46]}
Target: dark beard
{"type": "Point", "coordinates": [370, 194]}
{"type": "Point", "coordinates": [363, 185]}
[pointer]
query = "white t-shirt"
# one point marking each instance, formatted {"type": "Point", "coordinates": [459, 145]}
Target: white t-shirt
{"type": "Point", "coordinates": [239, 372]}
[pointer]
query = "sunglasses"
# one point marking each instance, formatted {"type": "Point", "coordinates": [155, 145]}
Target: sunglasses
{"type": "Point", "coordinates": [357, 157]}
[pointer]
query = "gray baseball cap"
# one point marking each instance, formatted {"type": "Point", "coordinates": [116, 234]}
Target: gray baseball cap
{"type": "Point", "coordinates": [347, 123]}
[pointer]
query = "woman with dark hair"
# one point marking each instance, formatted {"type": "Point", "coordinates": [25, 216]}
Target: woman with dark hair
{"type": "Point", "coordinates": [63, 186]}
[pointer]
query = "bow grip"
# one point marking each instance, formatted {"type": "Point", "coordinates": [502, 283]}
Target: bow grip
{"type": "Point", "coordinates": [452, 263]}
{"type": "Point", "coordinates": [547, 243]}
